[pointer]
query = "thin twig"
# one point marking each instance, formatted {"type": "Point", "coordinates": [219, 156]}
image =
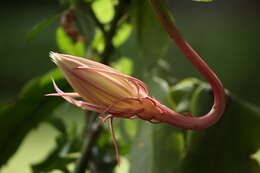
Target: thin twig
{"type": "Point", "coordinates": [86, 154]}
{"type": "Point", "coordinates": [94, 17]}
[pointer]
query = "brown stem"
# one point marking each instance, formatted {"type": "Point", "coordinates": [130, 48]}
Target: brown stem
{"type": "Point", "coordinates": [94, 17]}
{"type": "Point", "coordinates": [86, 154]}
{"type": "Point", "coordinates": [179, 120]}
{"type": "Point", "coordinates": [121, 10]}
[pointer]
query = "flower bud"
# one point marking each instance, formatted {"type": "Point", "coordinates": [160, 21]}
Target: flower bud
{"type": "Point", "coordinates": [102, 88]}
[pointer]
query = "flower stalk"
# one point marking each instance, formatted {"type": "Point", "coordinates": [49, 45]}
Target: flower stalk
{"type": "Point", "coordinates": [218, 89]}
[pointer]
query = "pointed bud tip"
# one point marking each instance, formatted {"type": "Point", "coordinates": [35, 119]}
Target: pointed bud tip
{"type": "Point", "coordinates": [55, 57]}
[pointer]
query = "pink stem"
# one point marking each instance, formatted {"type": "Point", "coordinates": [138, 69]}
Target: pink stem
{"type": "Point", "coordinates": [179, 120]}
{"type": "Point", "coordinates": [114, 139]}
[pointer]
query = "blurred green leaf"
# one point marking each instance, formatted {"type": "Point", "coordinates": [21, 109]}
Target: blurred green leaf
{"type": "Point", "coordinates": [67, 46]}
{"type": "Point", "coordinates": [124, 65]}
{"type": "Point", "coordinates": [67, 144]}
{"type": "Point", "coordinates": [149, 41]}
{"type": "Point", "coordinates": [41, 26]}
{"type": "Point", "coordinates": [31, 108]}
{"type": "Point", "coordinates": [123, 167]}
{"type": "Point", "coordinates": [227, 146]}
{"type": "Point", "coordinates": [123, 33]}
{"type": "Point", "coordinates": [104, 10]}
{"type": "Point", "coordinates": [126, 131]}
{"type": "Point", "coordinates": [147, 150]}
{"type": "Point", "coordinates": [142, 46]}
{"type": "Point", "coordinates": [103, 156]}
{"type": "Point", "coordinates": [59, 124]}
{"type": "Point", "coordinates": [180, 95]}
{"type": "Point", "coordinates": [98, 41]}
{"type": "Point", "coordinates": [157, 149]}
{"type": "Point", "coordinates": [158, 87]}
{"type": "Point", "coordinates": [73, 3]}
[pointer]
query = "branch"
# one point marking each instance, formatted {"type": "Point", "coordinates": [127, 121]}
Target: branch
{"type": "Point", "coordinates": [121, 10]}
{"type": "Point", "coordinates": [94, 18]}
{"type": "Point", "coordinates": [90, 142]}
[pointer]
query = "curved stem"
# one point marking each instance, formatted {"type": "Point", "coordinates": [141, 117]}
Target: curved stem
{"type": "Point", "coordinates": [217, 109]}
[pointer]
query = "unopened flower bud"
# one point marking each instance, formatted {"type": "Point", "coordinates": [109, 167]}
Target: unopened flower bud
{"type": "Point", "coordinates": [102, 88]}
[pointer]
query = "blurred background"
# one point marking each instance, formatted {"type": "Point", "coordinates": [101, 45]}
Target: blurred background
{"type": "Point", "coordinates": [225, 33]}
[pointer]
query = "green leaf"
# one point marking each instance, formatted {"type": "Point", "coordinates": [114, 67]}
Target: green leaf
{"type": "Point", "coordinates": [150, 48]}
{"type": "Point", "coordinates": [41, 26]}
{"type": "Point", "coordinates": [67, 144]}
{"type": "Point", "coordinates": [148, 43]}
{"type": "Point", "coordinates": [124, 65]}
{"type": "Point", "coordinates": [67, 46]}
{"type": "Point", "coordinates": [158, 87]}
{"type": "Point", "coordinates": [157, 149]}
{"type": "Point", "coordinates": [227, 146]}
{"type": "Point", "coordinates": [122, 34]}
{"type": "Point", "coordinates": [126, 131]}
{"type": "Point", "coordinates": [98, 41]}
{"type": "Point", "coordinates": [104, 10]}
{"type": "Point", "coordinates": [180, 95]}
{"type": "Point", "coordinates": [31, 108]}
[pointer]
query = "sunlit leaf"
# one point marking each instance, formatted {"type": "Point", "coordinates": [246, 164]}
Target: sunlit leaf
{"type": "Point", "coordinates": [123, 167]}
{"type": "Point", "coordinates": [124, 65]}
{"type": "Point", "coordinates": [31, 108]}
{"type": "Point", "coordinates": [98, 41]}
{"type": "Point", "coordinates": [67, 144]}
{"type": "Point", "coordinates": [104, 10]}
{"type": "Point", "coordinates": [66, 45]}
{"type": "Point", "coordinates": [122, 34]}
